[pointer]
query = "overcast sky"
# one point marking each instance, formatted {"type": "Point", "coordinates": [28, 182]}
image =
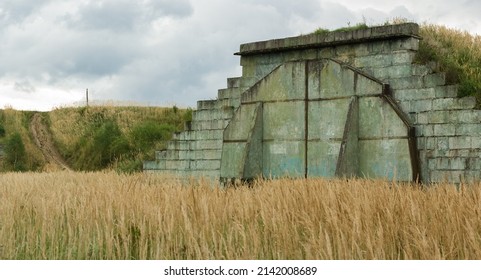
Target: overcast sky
{"type": "Point", "coordinates": [167, 52]}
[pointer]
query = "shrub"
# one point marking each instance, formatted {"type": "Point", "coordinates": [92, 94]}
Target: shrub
{"type": "Point", "coordinates": [358, 26]}
{"type": "Point", "coordinates": [129, 166]}
{"type": "Point", "coordinates": [187, 115]}
{"type": "Point", "coordinates": [146, 134]}
{"type": "Point", "coordinates": [108, 144]}
{"type": "Point", "coordinates": [2, 131]}
{"type": "Point", "coordinates": [99, 149]}
{"type": "Point", "coordinates": [320, 31]}
{"type": "Point", "coordinates": [15, 155]}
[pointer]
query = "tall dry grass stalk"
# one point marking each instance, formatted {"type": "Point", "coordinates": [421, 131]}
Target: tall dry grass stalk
{"type": "Point", "coordinates": [109, 216]}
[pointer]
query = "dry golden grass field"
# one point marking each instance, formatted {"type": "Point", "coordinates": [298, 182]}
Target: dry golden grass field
{"type": "Point", "coordinates": [69, 215]}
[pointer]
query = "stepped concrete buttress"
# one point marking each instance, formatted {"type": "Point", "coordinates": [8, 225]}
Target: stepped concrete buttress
{"type": "Point", "coordinates": [336, 104]}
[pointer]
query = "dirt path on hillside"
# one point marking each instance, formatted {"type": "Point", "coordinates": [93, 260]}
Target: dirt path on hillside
{"type": "Point", "coordinates": [43, 139]}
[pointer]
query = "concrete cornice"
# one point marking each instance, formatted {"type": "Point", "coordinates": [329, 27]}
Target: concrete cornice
{"type": "Point", "coordinates": [331, 39]}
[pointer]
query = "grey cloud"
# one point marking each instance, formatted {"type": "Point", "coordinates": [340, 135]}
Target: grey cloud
{"type": "Point", "coordinates": [15, 11]}
{"type": "Point", "coordinates": [188, 60]}
{"type": "Point", "coordinates": [175, 80]}
{"type": "Point", "coordinates": [306, 8]}
{"type": "Point", "coordinates": [335, 15]}
{"type": "Point", "coordinates": [181, 70]}
{"type": "Point", "coordinates": [111, 15]}
{"type": "Point", "coordinates": [24, 86]}
{"type": "Point", "coordinates": [193, 65]}
{"type": "Point", "coordinates": [473, 5]}
{"type": "Point", "coordinates": [177, 8]}
{"type": "Point", "coordinates": [92, 54]}
{"type": "Point", "coordinates": [125, 15]}
{"type": "Point", "coordinates": [181, 64]}
{"type": "Point", "coordinates": [402, 12]}
{"type": "Point", "coordinates": [376, 17]}
{"type": "Point", "coordinates": [94, 60]}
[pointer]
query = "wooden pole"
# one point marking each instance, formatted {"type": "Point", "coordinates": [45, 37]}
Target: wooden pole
{"type": "Point", "coordinates": [87, 96]}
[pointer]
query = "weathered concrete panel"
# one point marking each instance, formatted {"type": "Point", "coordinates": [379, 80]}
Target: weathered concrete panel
{"type": "Point", "coordinates": [468, 129]}
{"type": "Point", "coordinates": [336, 81]}
{"type": "Point", "coordinates": [241, 123]}
{"type": "Point", "coordinates": [284, 120]}
{"type": "Point", "coordinates": [205, 164]}
{"type": "Point", "coordinates": [415, 94]}
{"type": "Point", "coordinates": [207, 144]}
{"type": "Point", "coordinates": [348, 160]}
{"type": "Point", "coordinates": [253, 162]}
{"type": "Point", "coordinates": [234, 166]}
{"type": "Point", "coordinates": [283, 158]}
{"type": "Point", "coordinates": [206, 154]}
{"type": "Point", "coordinates": [313, 81]}
{"type": "Point", "coordinates": [367, 86]}
{"type": "Point", "coordinates": [327, 118]}
{"type": "Point", "coordinates": [287, 82]}
{"type": "Point", "coordinates": [402, 57]}
{"type": "Point", "coordinates": [236, 140]}
{"type": "Point", "coordinates": [398, 71]}
{"type": "Point", "coordinates": [371, 61]}
{"type": "Point", "coordinates": [263, 70]}
{"type": "Point", "coordinates": [378, 120]}
{"type": "Point", "coordinates": [386, 158]}
{"type": "Point", "coordinates": [154, 165]}
{"type": "Point", "coordinates": [322, 158]}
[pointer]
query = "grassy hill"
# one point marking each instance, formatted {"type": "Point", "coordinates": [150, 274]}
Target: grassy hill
{"type": "Point", "coordinates": [89, 138]}
{"type": "Point", "coordinates": [449, 50]}
{"type": "Point", "coordinates": [456, 52]}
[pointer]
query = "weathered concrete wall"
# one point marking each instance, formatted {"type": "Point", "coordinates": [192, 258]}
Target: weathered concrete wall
{"type": "Point", "coordinates": [317, 118]}
{"type": "Point", "coordinates": [234, 130]}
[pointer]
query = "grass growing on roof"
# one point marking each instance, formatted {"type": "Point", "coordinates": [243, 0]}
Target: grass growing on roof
{"type": "Point", "coordinates": [455, 52]}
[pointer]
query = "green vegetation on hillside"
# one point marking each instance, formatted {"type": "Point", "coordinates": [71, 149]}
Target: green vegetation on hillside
{"type": "Point", "coordinates": [2, 131]}
{"type": "Point", "coordinates": [91, 138]}
{"type": "Point", "coordinates": [14, 134]}
{"type": "Point", "coordinates": [455, 52]}
{"type": "Point", "coordinates": [96, 138]}
{"type": "Point", "coordinates": [15, 155]}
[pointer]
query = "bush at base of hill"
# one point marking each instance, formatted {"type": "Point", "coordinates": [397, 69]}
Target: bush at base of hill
{"type": "Point", "coordinates": [146, 134]}
{"type": "Point", "coordinates": [15, 155]}
{"type": "Point", "coordinates": [100, 148]}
